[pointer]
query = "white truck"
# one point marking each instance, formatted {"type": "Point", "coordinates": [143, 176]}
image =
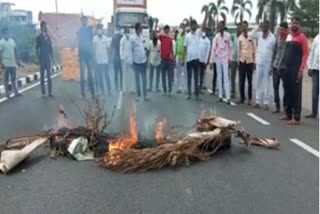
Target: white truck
{"type": "Point", "coordinates": [126, 13]}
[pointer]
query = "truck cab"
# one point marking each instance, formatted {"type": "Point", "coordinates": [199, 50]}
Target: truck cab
{"type": "Point", "coordinates": [127, 17]}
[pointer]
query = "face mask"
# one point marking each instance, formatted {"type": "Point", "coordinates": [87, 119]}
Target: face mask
{"type": "Point", "coordinates": [99, 32]}
{"type": "Point", "coordinates": [180, 30]}
{"type": "Point", "coordinates": [203, 34]}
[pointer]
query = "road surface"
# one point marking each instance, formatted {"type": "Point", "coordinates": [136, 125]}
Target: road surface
{"type": "Point", "coordinates": [240, 181]}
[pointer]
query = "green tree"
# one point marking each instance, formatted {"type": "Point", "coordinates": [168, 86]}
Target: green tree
{"type": "Point", "coordinates": [275, 8]}
{"type": "Point", "coordinates": [218, 9]}
{"type": "Point", "coordinates": [308, 12]}
{"type": "Point", "coordinates": [240, 8]}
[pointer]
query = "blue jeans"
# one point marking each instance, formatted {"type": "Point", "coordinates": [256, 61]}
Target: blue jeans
{"type": "Point", "coordinates": [140, 75]}
{"type": "Point", "coordinates": [102, 74]}
{"type": "Point", "coordinates": [166, 71]}
{"type": "Point", "coordinates": [85, 60]}
{"type": "Point", "coordinates": [151, 77]}
{"type": "Point", "coordinates": [45, 70]}
{"type": "Point", "coordinates": [315, 92]}
{"type": "Point", "coordinates": [12, 72]}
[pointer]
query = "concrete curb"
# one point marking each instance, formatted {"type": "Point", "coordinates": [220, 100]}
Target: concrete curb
{"type": "Point", "coordinates": [28, 79]}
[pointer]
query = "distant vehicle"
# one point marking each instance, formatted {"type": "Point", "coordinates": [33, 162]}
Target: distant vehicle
{"type": "Point", "coordinates": [126, 13]}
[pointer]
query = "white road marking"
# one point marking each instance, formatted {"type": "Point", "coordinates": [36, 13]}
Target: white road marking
{"type": "Point", "coordinates": [119, 103]}
{"type": "Point", "coordinates": [305, 147]}
{"type": "Point", "coordinates": [260, 120]}
{"type": "Point", "coordinates": [27, 88]}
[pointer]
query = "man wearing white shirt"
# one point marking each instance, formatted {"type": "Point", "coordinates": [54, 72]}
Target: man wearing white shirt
{"type": "Point", "coordinates": [265, 41]}
{"type": "Point", "coordinates": [205, 47]}
{"type": "Point", "coordinates": [126, 60]}
{"type": "Point", "coordinates": [139, 60]}
{"type": "Point", "coordinates": [100, 46]}
{"type": "Point", "coordinates": [192, 52]}
{"type": "Point", "coordinates": [313, 65]}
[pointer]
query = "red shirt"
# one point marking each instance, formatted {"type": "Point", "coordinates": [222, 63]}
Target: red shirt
{"type": "Point", "coordinates": [300, 38]}
{"type": "Point", "coordinates": [166, 47]}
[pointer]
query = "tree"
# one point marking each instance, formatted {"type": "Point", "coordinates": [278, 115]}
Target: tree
{"type": "Point", "coordinates": [308, 12]}
{"type": "Point", "coordinates": [275, 8]}
{"type": "Point", "coordinates": [240, 8]}
{"type": "Point", "coordinates": [187, 21]}
{"type": "Point", "coordinates": [218, 9]}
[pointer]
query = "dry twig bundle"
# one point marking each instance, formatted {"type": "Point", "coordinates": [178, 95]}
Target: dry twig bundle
{"type": "Point", "coordinates": [199, 146]}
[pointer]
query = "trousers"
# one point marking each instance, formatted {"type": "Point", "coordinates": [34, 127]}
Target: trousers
{"type": "Point", "coordinates": [12, 72]}
{"type": "Point", "coordinates": [140, 77]}
{"type": "Point", "coordinates": [262, 84]}
{"type": "Point", "coordinates": [118, 74]}
{"type": "Point", "coordinates": [103, 76]}
{"type": "Point", "coordinates": [45, 70]}
{"type": "Point", "coordinates": [181, 75]}
{"type": "Point", "coordinates": [193, 67]}
{"type": "Point", "coordinates": [153, 69]}
{"type": "Point", "coordinates": [245, 72]}
{"type": "Point", "coordinates": [128, 76]}
{"type": "Point", "coordinates": [277, 77]}
{"type": "Point", "coordinates": [167, 75]}
{"type": "Point", "coordinates": [86, 62]}
{"type": "Point", "coordinates": [315, 92]}
{"type": "Point", "coordinates": [203, 67]}
{"type": "Point", "coordinates": [234, 68]}
{"type": "Point", "coordinates": [223, 79]}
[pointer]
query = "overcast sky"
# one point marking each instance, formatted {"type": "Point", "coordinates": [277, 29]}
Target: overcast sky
{"type": "Point", "coordinates": [168, 11]}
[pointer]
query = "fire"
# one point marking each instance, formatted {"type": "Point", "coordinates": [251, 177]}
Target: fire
{"type": "Point", "coordinates": [159, 130]}
{"type": "Point", "coordinates": [129, 140]}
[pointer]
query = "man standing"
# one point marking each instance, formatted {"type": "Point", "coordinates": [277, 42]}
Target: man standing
{"type": "Point", "coordinates": [292, 66]}
{"type": "Point", "coordinates": [100, 46]}
{"type": "Point", "coordinates": [191, 45]}
{"type": "Point", "coordinates": [9, 60]}
{"type": "Point", "coordinates": [154, 62]}
{"type": "Point", "coordinates": [313, 65]}
{"type": "Point", "coordinates": [265, 46]}
{"type": "Point", "coordinates": [85, 37]}
{"type": "Point", "coordinates": [166, 53]}
{"type": "Point", "coordinates": [45, 56]}
{"type": "Point", "coordinates": [204, 47]}
{"type": "Point", "coordinates": [277, 76]}
{"type": "Point", "coordinates": [126, 60]}
{"type": "Point", "coordinates": [180, 66]}
{"type": "Point", "coordinates": [139, 60]}
{"type": "Point", "coordinates": [115, 52]}
{"type": "Point", "coordinates": [246, 54]}
{"type": "Point", "coordinates": [234, 61]}
{"type": "Point", "coordinates": [221, 54]}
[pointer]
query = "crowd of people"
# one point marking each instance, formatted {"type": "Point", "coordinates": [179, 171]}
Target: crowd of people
{"type": "Point", "coordinates": [183, 61]}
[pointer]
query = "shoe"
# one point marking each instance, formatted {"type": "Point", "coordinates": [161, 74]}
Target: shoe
{"type": "Point", "coordinates": [285, 118]}
{"type": "Point", "coordinates": [18, 95]}
{"type": "Point", "coordinates": [233, 96]}
{"type": "Point", "coordinates": [311, 116]}
{"type": "Point", "coordinates": [220, 100]}
{"type": "Point", "coordinates": [201, 92]}
{"type": "Point", "coordinates": [146, 99]}
{"type": "Point", "coordinates": [188, 98]}
{"type": "Point", "coordinates": [149, 90]}
{"type": "Point", "coordinates": [256, 106]}
{"type": "Point", "coordinates": [158, 90]}
{"type": "Point", "coordinates": [240, 102]}
{"type": "Point", "coordinates": [229, 102]}
{"type": "Point", "coordinates": [293, 122]}
{"type": "Point", "coordinates": [277, 111]}
{"type": "Point", "coordinates": [266, 107]}
{"type": "Point", "coordinates": [179, 92]}
{"type": "Point", "coordinates": [50, 95]}
{"type": "Point", "coordinates": [249, 103]}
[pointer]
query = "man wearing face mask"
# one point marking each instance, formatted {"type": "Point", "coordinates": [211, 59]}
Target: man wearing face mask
{"type": "Point", "coordinates": [221, 53]}
{"type": "Point", "coordinates": [292, 65]}
{"type": "Point", "coordinates": [179, 56]}
{"type": "Point", "coordinates": [204, 47]}
{"type": "Point", "coordinates": [283, 33]}
{"type": "Point", "coordinates": [265, 46]}
{"type": "Point", "coordinates": [128, 75]}
{"type": "Point", "coordinates": [115, 53]}
{"type": "Point", "coordinates": [100, 47]}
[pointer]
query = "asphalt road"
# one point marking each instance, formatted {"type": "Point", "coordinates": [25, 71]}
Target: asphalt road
{"type": "Point", "coordinates": [239, 181]}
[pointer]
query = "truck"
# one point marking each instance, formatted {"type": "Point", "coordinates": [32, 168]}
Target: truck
{"type": "Point", "coordinates": [126, 13]}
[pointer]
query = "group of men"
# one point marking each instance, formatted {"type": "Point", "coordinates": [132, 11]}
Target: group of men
{"type": "Point", "coordinates": [185, 58]}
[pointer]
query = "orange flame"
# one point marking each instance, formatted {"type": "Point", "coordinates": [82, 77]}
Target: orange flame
{"type": "Point", "coordinates": [129, 140]}
{"type": "Point", "coordinates": [159, 130]}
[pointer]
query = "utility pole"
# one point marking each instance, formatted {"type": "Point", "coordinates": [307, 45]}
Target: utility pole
{"type": "Point", "coordinates": [56, 2]}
